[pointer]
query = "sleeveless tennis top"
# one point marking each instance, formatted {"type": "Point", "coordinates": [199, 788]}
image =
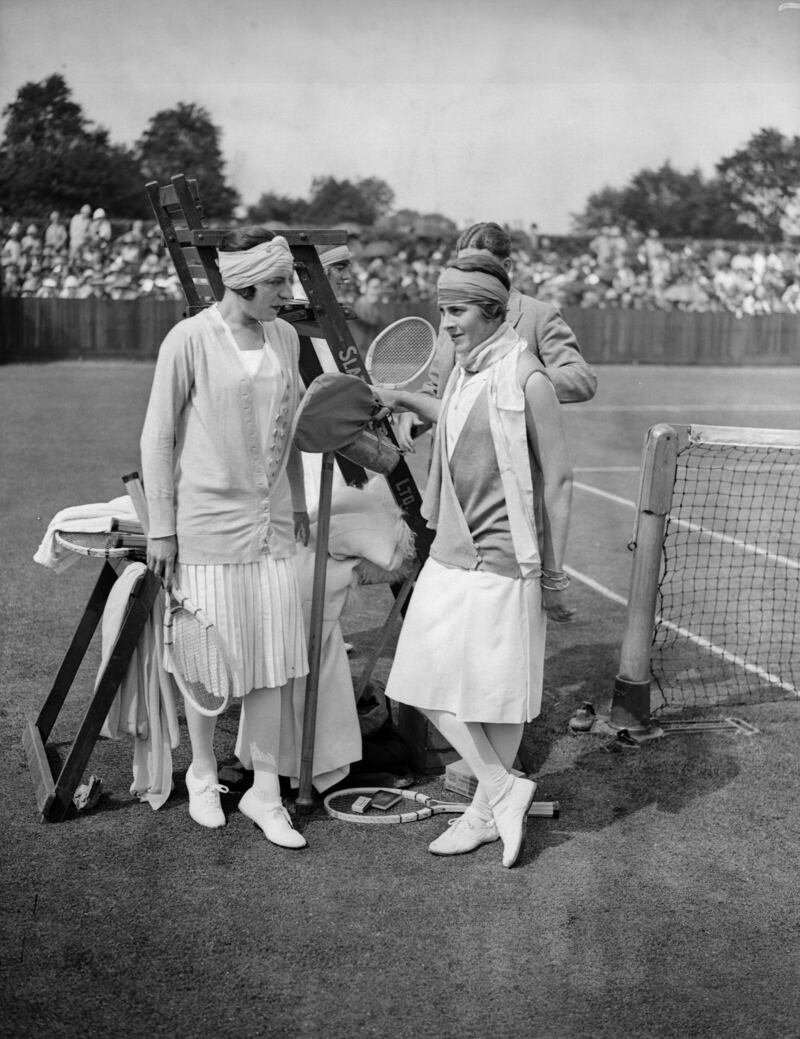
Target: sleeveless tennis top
{"type": "Point", "coordinates": [473, 530]}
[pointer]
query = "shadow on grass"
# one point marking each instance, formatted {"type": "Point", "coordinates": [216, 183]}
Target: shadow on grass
{"type": "Point", "coordinates": [597, 779]}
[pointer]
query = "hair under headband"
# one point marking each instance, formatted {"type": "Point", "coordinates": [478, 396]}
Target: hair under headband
{"type": "Point", "coordinates": [457, 286]}
{"type": "Point", "coordinates": [240, 270]}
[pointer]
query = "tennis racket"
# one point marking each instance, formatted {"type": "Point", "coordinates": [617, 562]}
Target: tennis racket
{"type": "Point", "coordinates": [196, 655]}
{"type": "Point", "coordinates": [401, 353]}
{"type": "Point", "coordinates": [411, 808]}
{"type": "Point", "coordinates": [194, 651]}
{"type": "Point", "coordinates": [103, 545]}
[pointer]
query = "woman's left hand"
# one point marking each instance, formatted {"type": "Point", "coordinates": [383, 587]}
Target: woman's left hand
{"type": "Point", "coordinates": [302, 527]}
{"type": "Point", "coordinates": [557, 605]}
{"type": "Point", "coordinates": [389, 400]}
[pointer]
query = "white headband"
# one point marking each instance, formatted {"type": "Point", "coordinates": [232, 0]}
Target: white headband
{"type": "Point", "coordinates": [240, 270]}
{"type": "Point", "coordinates": [336, 254]}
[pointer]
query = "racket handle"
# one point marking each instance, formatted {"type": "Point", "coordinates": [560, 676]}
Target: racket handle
{"type": "Point", "coordinates": [133, 485]}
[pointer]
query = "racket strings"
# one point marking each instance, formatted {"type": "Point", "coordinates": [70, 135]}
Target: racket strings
{"type": "Point", "coordinates": [199, 659]}
{"type": "Point", "coordinates": [400, 353]}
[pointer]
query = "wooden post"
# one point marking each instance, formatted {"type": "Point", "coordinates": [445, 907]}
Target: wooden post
{"type": "Point", "coordinates": [305, 796]}
{"type": "Point", "coordinates": [630, 707]}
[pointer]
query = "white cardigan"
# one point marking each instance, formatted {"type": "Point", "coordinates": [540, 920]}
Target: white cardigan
{"type": "Point", "coordinates": [202, 462]}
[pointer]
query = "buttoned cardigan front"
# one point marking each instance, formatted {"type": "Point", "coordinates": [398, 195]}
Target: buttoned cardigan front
{"type": "Point", "coordinates": [205, 475]}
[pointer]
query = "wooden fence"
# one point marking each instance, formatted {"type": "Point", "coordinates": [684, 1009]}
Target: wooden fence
{"type": "Point", "coordinates": [48, 329]}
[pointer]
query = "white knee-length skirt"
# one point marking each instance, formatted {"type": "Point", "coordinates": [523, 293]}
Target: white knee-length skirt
{"type": "Point", "coordinates": [472, 643]}
{"type": "Point", "coordinates": [256, 608]}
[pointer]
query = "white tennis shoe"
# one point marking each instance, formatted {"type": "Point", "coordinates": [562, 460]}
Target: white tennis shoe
{"type": "Point", "coordinates": [511, 814]}
{"type": "Point", "coordinates": [204, 803]}
{"type": "Point", "coordinates": [273, 819]}
{"type": "Point", "coordinates": [464, 834]}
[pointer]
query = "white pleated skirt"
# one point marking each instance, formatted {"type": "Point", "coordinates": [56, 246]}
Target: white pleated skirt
{"type": "Point", "coordinates": [257, 610]}
{"type": "Point", "coordinates": [472, 643]}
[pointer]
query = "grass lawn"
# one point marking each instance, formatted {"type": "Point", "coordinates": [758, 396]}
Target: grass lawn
{"type": "Point", "coordinates": [662, 903]}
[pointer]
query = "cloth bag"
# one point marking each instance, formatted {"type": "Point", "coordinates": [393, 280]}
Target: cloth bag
{"type": "Point", "coordinates": [337, 414]}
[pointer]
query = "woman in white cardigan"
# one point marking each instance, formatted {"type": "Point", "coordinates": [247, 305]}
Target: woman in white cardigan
{"type": "Point", "coordinates": [226, 499]}
{"type": "Point", "coordinates": [471, 651]}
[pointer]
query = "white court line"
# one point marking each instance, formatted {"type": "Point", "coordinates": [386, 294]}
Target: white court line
{"type": "Point", "coordinates": [745, 546]}
{"type": "Point", "coordinates": [604, 494]}
{"type": "Point", "coordinates": [679, 409]}
{"type": "Point", "coordinates": [606, 469]}
{"type": "Point", "coordinates": [595, 586]}
{"type": "Point", "coordinates": [713, 535]}
{"type": "Point", "coordinates": [730, 657]}
{"type": "Point", "coordinates": [699, 640]}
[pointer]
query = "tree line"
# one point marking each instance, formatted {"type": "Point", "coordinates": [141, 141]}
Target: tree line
{"type": "Point", "coordinates": [53, 157]}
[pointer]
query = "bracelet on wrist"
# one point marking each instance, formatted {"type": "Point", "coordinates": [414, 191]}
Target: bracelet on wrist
{"type": "Point", "coordinates": [554, 580]}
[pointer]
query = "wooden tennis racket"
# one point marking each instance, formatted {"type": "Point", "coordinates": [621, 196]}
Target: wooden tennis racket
{"type": "Point", "coordinates": [104, 544]}
{"type": "Point", "coordinates": [196, 655]}
{"type": "Point", "coordinates": [195, 652]}
{"type": "Point", "coordinates": [410, 807]}
{"type": "Point", "coordinates": [401, 352]}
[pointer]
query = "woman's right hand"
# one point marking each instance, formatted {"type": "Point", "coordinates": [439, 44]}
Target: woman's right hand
{"type": "Point", "coordinates": [161, 556]}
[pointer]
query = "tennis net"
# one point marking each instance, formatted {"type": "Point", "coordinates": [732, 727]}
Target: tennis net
{"type": "Point", "coordinates": [728, 599]}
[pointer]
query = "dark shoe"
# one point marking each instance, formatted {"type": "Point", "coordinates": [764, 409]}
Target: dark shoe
{"type": "Point", "coordinates": [583, 719]}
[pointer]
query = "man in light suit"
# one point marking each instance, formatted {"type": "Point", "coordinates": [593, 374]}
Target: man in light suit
{"type": "Point", "coordinates": [539, 324]}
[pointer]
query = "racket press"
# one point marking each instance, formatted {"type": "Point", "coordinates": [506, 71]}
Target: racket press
{"type": "Point", "coordinates": [193, 249]}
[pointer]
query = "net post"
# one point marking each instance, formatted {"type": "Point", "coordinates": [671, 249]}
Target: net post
{"type": "Point", "coordinates": [630, 708]}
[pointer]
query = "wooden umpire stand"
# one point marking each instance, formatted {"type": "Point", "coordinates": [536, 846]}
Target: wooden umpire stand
{"type": "Point", "coordinates": [54, 793]}
{"type": "Point", "coordinates": [193, 248]}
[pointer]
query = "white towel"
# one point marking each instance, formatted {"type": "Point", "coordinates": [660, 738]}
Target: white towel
{"type": "Point", "coordinates": [145, 705]}
{"type": "Point", "coordinates": [96, 517]}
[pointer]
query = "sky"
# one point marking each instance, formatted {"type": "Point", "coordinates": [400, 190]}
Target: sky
{"type": "Point", "coordinates": [507, 110]}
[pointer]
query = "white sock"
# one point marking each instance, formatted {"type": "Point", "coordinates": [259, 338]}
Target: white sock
{"type": "Point", "coordinates": [201, 736]}
{"type": "Point", "coordinates": [472, 743]}
{"type": "Point", "coordinates": [267, 788]}
{"type": "Point", "coordinates": [259, 739]}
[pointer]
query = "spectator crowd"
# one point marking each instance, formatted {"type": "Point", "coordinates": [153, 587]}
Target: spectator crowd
{"type": "Point", "coordinates": [83, 258]}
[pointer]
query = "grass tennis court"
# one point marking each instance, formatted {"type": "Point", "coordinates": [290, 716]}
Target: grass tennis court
{"type": "Point", "coordinates": [662, 903]}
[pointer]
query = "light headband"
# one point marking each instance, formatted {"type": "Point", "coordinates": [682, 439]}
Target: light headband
{"type": "Point", "coordinates": [248, 267]}
{"type": "Point", "coordinates": [338, 254]}
{"type": "Point", "coordinates": [456, 286]}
